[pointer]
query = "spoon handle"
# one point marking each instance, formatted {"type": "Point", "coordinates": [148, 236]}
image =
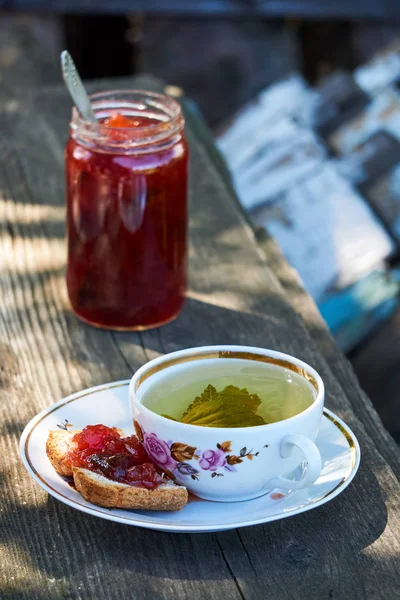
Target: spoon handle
{"type": "Point", "coordinates": [75, 87]}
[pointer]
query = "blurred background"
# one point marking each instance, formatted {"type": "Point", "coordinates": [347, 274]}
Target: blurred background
{"type": "Point", "coordinates": [303, 100]}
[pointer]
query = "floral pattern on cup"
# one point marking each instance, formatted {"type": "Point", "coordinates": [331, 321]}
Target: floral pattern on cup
{"type": "Point", "coordinates": [177, 459]}
{"type": "Point", "coordinates": [159, 451]}
{"type": "Point", "coordinates": [212, 459]}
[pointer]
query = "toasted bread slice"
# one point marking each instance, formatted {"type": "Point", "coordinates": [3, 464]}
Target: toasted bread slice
{"type": "Point", "coordinates": [99, 490]}
{"type": "Point", "coordinates": [105, 492]}
{"type": "Point", "coordinates": [58, 444]}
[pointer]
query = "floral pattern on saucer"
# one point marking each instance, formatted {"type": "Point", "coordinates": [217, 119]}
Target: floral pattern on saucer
{"type": "Point", "coordinates": [176, 458]}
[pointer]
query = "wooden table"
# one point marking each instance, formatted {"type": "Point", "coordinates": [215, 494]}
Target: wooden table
{"type": "Point", "coordinates": [242, 292]}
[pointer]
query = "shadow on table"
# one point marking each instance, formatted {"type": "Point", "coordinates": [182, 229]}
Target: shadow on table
{"type": "Point", "coordinates": [272, 325]}
{"type": "Point", "coordinates": [62, 544]}
{"type": "Point", "coordinates": [203, 321]}
{"type": "Point", "coordinates": [67, 547]}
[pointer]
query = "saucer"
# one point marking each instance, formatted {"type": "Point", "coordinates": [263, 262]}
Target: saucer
{"type": "Point", "coordinates": [109, 404]}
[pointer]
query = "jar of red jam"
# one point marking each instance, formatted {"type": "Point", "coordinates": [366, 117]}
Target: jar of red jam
{"type": "Point", "coordinates": [127, 179]}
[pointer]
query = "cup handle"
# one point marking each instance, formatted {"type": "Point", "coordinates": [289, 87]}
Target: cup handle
{"type": "Point", "coordinates": [311, 455]}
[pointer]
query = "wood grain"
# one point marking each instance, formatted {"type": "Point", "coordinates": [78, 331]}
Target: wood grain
{"type": "Point", "coordinates": [239, 293]}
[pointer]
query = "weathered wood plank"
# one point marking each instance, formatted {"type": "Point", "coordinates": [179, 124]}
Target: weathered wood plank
{"type": "Point", "coordinates": [345, 549]}
{"type": "Point", "coordinates": [39, 328]}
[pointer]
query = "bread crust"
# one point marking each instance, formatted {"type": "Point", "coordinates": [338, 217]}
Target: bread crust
{"type": "Point", "coordinates": [58, 444]}
{"type": "Point", "coordinates": [105, 492]}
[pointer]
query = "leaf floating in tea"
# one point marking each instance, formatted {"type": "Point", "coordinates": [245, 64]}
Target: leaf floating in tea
{"type": "Point", "coordinates": [169, 417]}
{"type": "Point", "coordinates": [232, 407]}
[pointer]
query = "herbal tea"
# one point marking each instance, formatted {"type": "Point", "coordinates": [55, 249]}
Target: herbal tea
{"type": "Point", "coordinates": [227, 393]}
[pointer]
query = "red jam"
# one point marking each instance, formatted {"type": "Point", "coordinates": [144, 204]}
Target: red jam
{"type": "Point", "coordinates": [117, 119]}
{"type": "Point", "coordinates": [127, 221]}
{"type": "Point", "coordinates": [102, 450]}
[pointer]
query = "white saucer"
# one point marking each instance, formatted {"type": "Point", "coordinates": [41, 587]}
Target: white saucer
{"type": "Point", "coordinates": [109, 404]}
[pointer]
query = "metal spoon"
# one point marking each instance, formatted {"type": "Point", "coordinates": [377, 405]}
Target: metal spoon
{"type": "Point", "coordinates": [75, 87]}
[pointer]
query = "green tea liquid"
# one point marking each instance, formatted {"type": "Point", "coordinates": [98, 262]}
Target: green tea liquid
{"type": "Point", "coordinates": [283, 392]}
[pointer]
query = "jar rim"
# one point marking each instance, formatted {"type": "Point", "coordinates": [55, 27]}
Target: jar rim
{"type": "Point", "coordinates": [164, 109]}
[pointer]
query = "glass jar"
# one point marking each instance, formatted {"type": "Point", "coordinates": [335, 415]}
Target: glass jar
{"type": "Point", "coordinates": [126, 182]}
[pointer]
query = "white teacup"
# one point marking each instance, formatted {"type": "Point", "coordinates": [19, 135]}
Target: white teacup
{"type": "Point", "coordinates": [282, 454]}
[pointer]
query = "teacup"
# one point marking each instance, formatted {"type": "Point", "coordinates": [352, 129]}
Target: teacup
{"type": "Point", "coordinates": [230, 464]}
